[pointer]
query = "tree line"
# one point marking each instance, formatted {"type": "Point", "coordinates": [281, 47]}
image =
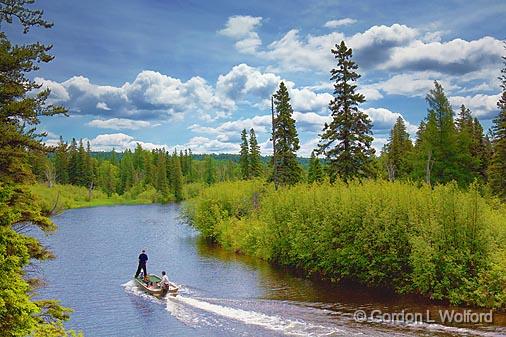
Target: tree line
{"type": "Point", "coordinates": [118, 173]}
{"type": "Point", "coordinates": [447, 147]}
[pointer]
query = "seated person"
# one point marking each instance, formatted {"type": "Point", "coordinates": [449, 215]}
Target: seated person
{"type": "Point", "coordinates": [164, 282]}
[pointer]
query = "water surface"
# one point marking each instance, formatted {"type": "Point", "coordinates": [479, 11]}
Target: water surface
{"type": "Point", "coordinates": [222, 294]}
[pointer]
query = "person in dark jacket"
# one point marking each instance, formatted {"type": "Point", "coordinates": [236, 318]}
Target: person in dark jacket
{"type": "Point", "coordinates": [143, 258]}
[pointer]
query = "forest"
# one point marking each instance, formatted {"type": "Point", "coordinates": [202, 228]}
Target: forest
{"type": "Point", "coordinates": [423, 216]}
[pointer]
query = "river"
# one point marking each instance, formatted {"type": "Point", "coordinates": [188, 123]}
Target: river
{"type": "Point", "coordinates": [222, 293]}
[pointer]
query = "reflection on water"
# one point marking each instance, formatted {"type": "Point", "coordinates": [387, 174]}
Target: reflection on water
{"type": "Point", "coordinates": [222, 293]}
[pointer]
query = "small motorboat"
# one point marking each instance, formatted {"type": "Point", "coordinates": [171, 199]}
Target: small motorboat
{"type": "Point", "coordinates": [150, 284]}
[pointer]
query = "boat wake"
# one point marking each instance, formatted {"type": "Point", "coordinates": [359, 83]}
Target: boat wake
{"type": "Point", "coordinates": [270, 322]}
{"type": "Point", "coordinates": [195, 311]}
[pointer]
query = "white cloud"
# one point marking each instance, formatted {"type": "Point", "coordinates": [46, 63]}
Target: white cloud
{"type": "Point", "coordinates": [151, 96]}
{"type": "Point", "coordinates": [384, 119]}
{"type": "Point", "coordinates": [340, 22]}
{"type": "Point", "coordinates": [240, 26]}
{"type": "Point", "coordinates": [120, 124]}
{"type": "Point", "coordinates": [482, 106]}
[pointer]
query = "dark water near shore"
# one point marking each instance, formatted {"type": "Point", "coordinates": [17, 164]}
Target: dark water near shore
{"type": "Point", "coordinates": [222, 294]}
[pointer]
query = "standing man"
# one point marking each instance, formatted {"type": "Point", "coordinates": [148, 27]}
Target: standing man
{"type": "Point", "coordinates": [143, 258]}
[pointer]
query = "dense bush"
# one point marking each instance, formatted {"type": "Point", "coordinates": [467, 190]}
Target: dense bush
{"type": "Point", "coordinates": [443, 242]}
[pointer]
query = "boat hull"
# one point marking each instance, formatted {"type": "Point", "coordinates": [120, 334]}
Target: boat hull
{"type": "Point", "coordinates": [151, 286]}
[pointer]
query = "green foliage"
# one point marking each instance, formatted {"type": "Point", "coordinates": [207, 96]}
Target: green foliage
{"type": "Point", "coordinates": [315, 170]}
{"type": "Point", "coordinates": [255, 160]}
{"type": "Point", "coordinates": [444, 243]}
{"type": "Point", "coordinates": [397, 151]}
{"type": "Point", "coordinates": [346, 141]}
{"type": "Point", "coordinates": [286, 168]}
{"type": "Point", "coordinates": [497, 169]}
{"type": "Point", "coordinates": [244, 161]}
{"type": "Point", "coordinates": [22, 103]}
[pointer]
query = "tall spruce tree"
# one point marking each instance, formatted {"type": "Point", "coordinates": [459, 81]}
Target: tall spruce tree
{"type": "Point", "coordinates": [397, 151]}
{"type": "Point", "coordinates": [287, 168]}
{"type": "Point", "coordinates": [244, 160]}
{"type": "Point", "coordinates": [255, 161]}
{"type": "Point", "coordinates": [20, 112]}
{"type": "Point", "coordinates": [497, 168]}
{"type": "Point", "coordinates": [315, 170]}
{"type": "Point", "coordinates": [346, 141]}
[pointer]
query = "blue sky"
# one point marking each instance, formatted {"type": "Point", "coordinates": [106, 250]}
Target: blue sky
{"type": "Point", "coordinates": [195, 73]}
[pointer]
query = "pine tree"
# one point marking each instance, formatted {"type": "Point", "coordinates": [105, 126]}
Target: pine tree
{"type": "Point", "coordinates": [61, 163]}
{"type": "Point", "coordinates": [397, 151]}
{"type": "Point", "coordinates": [244, 156]}
{"type": "Point", "coordinates": [20, 111]}
{"type": "Point", "coordinates": [255, 160]}
{"type": "Point", "coordinates": [315, 171]}
{"type": "Point", "coordinates": [497, 168]}
{"type": "Point", "coordinates": [287, 141]}
{"type": "Point", "coordinates": [346, 141]}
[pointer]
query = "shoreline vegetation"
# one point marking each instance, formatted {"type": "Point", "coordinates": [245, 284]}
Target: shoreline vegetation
{"type": "Point", "coordinates": [443, 242]}
{"type": "Point", "coordinates": [57, 198]}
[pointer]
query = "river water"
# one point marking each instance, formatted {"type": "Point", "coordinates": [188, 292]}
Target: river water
{"type": "Point", "coordinates": [222, 294]}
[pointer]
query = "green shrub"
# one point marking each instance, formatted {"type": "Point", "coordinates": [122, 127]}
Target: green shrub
{"type": "Point", "coordinates": [445, 243]}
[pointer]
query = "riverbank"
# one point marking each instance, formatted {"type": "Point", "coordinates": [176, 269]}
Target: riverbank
{"type": "Point", "coordinates": [58, 198]}
{"type": "Point", "coordinates": [444, 243]}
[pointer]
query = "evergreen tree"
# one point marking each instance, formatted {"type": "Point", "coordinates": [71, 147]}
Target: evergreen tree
{"type": "Point", "coordinates": [162, 182]}
{"type": "Point", "coordinates": [436, 150]}
{"type": "Point", "coordinates": [255, 160]}
{"type": "Point", "coordinates": [287, 169]}
{"type": "Point", "coordinates": [20, 112]}
{"type": "Point", "coordinates": [244, 160]}
{"type": "Point", "coordinates": [468, 146]}
{"type": "Point", "coordinates": [210, 174]}
{"type": "Point", "coordinates": [397, 151]}
{"type": "Point", "coordinates": [81, 169]}
{"type": "Point", "coordinates": [497, 168]}
{"type": "Point", "coordinates": [178, 177]}
{"type": "Point", "coordinates": [346, 141]}
{"type": "Point", "coordinates": [61, 163]}
{"type": "Point", "coordinates": [126, 171]}
{"type": "Point", "coordinates": [73, 163]}
{"type": "Point", "coordinates": [315, 171]}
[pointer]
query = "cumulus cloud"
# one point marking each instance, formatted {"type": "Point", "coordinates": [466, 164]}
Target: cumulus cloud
{"type": "Point", "coordinates": [120, 124]}
{"type": "Point", "coordinates": [482, 106]}
{"type": "Point", "coordinates": [340, 22]}
{"type": "Point", "coordinates": [385, 48]}
{"type": "Point", "coordinates": [151, 96]}
{"type": "Point", "coordinates": [241, 28]}
{"type": "Point", "coordinates": [384, 119]}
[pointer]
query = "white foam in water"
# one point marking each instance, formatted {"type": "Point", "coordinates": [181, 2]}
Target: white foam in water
{"type": "Point", "coordinates": [275, 323]}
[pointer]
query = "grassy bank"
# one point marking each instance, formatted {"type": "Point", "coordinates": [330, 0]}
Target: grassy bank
{"type": "Point", "coordinates": [444, 243]}
{"type": "Point", "coordinates": [61, 197]}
